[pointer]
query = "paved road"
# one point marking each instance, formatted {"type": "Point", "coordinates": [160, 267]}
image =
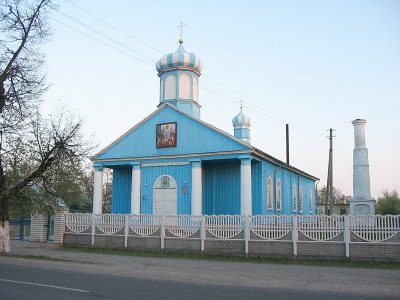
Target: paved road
{"type": "Point", "coordinates": [44, 280]}
{"type": "Point", "coordinates": [90, 276]}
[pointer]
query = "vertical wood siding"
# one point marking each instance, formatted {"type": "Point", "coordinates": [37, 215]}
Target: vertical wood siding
{"type": "Point", "coordinates": [121, 191]}
{"type": "Point", "coordinates": [256, 187]}
{"type": "Point", "coordinates": [221, 188]}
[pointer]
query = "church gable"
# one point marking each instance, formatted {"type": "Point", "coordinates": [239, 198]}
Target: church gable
{"type": "Point", "coordinates": [170, 132]}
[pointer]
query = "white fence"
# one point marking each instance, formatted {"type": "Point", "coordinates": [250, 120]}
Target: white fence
{"type": "Point", "coordinates": [307, 229]}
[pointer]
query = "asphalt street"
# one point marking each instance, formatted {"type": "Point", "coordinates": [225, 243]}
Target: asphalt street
{"type": "Point", "coordinates": [79, 275]}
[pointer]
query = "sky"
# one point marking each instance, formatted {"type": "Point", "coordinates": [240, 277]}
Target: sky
{"type": "Point", "coordinates": [314, 65]}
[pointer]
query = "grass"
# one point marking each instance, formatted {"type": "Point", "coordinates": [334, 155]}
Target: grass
{"type": "Point", "coordinates": [302, 262]}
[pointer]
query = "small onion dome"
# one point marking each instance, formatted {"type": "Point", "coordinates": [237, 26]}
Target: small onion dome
{"type": "Point", "coordinates": [241, 120]}
{"type": "Point", "coordinates": [179, 59]}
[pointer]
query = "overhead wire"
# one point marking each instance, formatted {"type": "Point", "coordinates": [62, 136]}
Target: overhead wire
{"type": "Point", "coordinates": [150, 59]}
{"type": "Point", "coordinates": [102, 42]}
{"type": "Point", "coordinates": [258, 110]}
{"type": "Point", "coordinates": [113, 27]}
{"type": "Point", "coordinates": [276, 113]}
{"type": "Point", "coordinates": [311, 124]}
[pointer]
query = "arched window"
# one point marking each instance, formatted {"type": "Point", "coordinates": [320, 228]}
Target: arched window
{"type": "Point", "coordinates": [184, 86]}
{"type": "Point", "coordinates": [300, 199]}
{"type": "Point", "coordinates": [278, 195]}
{"type": "Point", "coordinates": [162, 89]}
{"type": "Point", "coordinates": [170, 87]}
{"type": "Point", "coordinates": [294, 198]}
{"type": "Point", "coordinates": [269, 193]}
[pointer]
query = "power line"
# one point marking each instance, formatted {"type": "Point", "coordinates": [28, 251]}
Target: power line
{"type": "Point", "coordinates": [277, 115]}
{"type": "Point", "coordinates": [113, 27]}
{"type": "Point", "coordinates": [256, 109]}
{"type": "Point", "coordinates": [107, 36]}
{"type": "Point", "coordinates": [102, 42]}
{"type": "Point", "coordinates": [265, 103]}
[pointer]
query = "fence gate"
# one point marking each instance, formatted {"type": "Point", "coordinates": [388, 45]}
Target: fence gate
{"type": "Point", "coordinates": [20, 229]}
{"type": "Point", "coordinates": [50, 228]}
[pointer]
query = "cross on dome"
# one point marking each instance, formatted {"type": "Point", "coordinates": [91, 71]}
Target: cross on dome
{"type": "Point", "coordinates": [241, 124]}
{"type": "Point", "coordinates": [181, 25]}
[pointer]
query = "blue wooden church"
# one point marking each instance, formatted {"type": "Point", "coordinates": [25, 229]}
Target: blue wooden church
{"type": "Point", "coordinates": [173, 163]}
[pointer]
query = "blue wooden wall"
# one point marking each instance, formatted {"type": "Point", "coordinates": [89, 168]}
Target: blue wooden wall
{"type": "Point", "coordinates": [121, 191]}
{"type": "Point", "coordinates": [288, 179]}
{"type": "Point", "coordinates": [258, 188]}
{"type": "Point", "coordinates": [221, 188]}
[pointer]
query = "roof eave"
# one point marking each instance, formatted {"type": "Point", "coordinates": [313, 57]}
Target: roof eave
{"type": "Point", "coordinates": [282, 164]}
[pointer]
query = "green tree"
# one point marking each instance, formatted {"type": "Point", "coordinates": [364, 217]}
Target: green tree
{"type": "Point", "coordinates": [41, 158]}
{"type": "Point", "coordinates": [388, 204]}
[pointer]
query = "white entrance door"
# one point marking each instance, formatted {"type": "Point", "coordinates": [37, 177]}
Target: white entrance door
{"type": "Point", "coordinates": [165, 196]}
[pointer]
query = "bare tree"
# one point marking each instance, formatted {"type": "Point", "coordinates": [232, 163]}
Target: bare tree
{"type": "Point", "coordinates": [23, 27]}
{"type": "Point", "coordinates": [34, 151]}
{"type": "Point", "coordinates": [338, 196]}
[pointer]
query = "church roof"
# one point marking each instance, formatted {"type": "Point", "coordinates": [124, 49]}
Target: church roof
{"type": "Point", "coordinates": [245, 148]}
{"type": "Point", "coordinates": [179, 59]}
{"type": "Point", "coordinates": [157, 111]}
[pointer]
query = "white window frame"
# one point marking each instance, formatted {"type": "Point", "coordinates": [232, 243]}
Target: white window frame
{"type": "Point", "coordinates": [278, 195]}
{"type": "Point", "coordinates": [301, 199]}
{"type": "Point", "coordinates": [270, 201]}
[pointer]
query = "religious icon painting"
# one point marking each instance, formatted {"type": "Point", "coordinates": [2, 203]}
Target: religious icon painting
{"type": "Point", "coordinates": [294, 199]}
{"type": "Point", "coordinates": [165, 182]}
{"type": "Point", "coordinates": [300, 199]}
{"type": "Point", "coordinates": [278, 195]}
{"type": "Point", "coordinates": [269, 193]}
{"type": "Point", "coordinates": [166, 135]}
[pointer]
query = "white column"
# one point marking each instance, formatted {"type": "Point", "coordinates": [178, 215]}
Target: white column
{"type": "Point", "coordinates": [98, 190]}
{"type": "Point", "coordinates": [245, 187]}
{"type": "Point", "coordinates": [197, 188]}
{"type": "Point", "coordinates": [361, 184]}
{"type": "Point", "coordinates": [361, 203]}
{"type": "Point", "coordinates": [135, 192]}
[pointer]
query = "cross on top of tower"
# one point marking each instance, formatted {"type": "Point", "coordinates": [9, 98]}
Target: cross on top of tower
{"type": "Point", "coordinates": [241, 104]}
{"type": "Point", "coordinates": [181, 25]}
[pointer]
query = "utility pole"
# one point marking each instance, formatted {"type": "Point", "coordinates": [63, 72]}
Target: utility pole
{"type": "Point", "coordinates": [329, 183]}
{"type": "Point", "coordinates": [287, 144]}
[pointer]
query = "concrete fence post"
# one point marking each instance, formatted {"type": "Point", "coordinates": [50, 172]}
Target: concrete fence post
{"type": "Point", "coordinates": [247, 220]}
{"type": "Point", "coordinates": [93, 229]}
{"type": "Point", "coordinates": [295, 234]}
{"type": "Point", "coordinates": [202, 232]}
{"type": "Point", "coordinates": [126, 231]}
{"type": "Point", "coordinates": [347, 235]}
{"type": "Point", "coordinates": [162, 233]}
